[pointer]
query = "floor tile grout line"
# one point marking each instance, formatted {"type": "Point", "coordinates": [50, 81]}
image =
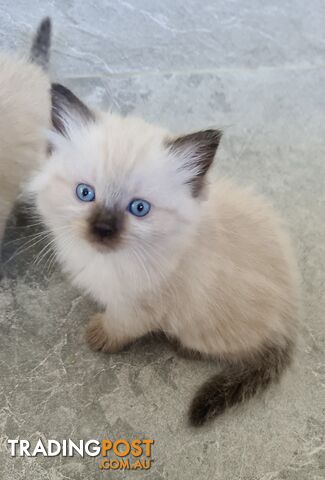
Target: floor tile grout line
{"type": "Point", "coordinates": [207, 71]}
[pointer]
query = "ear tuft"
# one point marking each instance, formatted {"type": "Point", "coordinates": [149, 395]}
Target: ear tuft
{"type": "Point", "coordinates": [196, 152]}
{"type": "Point", "coordinates": [68, 111]}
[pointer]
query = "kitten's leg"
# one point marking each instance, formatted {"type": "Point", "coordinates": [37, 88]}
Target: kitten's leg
{"type": "Point", "coordinates": [101, 336]}
{"type": "Point", "coordinates": [107, 335]}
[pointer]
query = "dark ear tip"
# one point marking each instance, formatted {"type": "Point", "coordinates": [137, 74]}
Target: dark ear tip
{"type": "Point", "coordinates": [66, 108]}
{"type": "Point", "coordinates": [45, 25]}
{"type": "Point", "coordinates": [210, 137]}
{"type": "Point", "coordinates": [214, 135]}
{"type": "Point", "coordinates": [60, 89]}
{"type": "Point", "coordinates": [198, 149]}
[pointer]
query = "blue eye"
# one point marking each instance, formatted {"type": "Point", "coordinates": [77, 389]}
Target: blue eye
{"type": "Point", "coordinates": [139, 207]}
{"type": "Point", "coordinates": [85, 193]}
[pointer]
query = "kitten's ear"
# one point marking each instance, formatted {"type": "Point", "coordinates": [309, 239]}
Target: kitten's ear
{"type": "Point", "coordinates": [196, 152]}
{"type": "Point", "coordinates": [68, 112]}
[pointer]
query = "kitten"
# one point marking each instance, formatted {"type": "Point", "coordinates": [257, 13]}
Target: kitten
{"type": "Point", "coordinates": [25, 106]}
{"type": "Point", "coordinates": [141, 225]}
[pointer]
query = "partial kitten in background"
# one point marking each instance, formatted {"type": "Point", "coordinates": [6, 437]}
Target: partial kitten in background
{"type": "Point", "coordinates": [25, 107]}
{"type": "Point", "coordinates": [142, 226]}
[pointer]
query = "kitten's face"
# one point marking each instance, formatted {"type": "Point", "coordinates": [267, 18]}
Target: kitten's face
{"type": "Point", "coordinates": [114, 185]}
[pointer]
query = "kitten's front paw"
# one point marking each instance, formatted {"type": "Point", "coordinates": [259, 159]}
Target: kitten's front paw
{"type": "Point", "coordinates": [97, 337]}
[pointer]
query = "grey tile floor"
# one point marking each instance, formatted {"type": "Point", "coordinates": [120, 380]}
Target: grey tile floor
{"type": "Point", "coordinates": [256, 69]}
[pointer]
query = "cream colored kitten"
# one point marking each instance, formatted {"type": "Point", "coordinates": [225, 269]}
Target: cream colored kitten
{"type": "Point", "coordinates": [141, 225]}
{"type": "Point", "coordinates": [25, 115]}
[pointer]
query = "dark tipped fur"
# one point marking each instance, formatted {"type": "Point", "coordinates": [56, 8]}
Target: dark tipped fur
{"type": "Point", "coordinates": [200, 148]}
{"type": "Point", "coordinates": [40, 50]}
{"type": "Point", "coordinates": [105, 226]}
{"type": "Point", "coordinates": [239, 382]}
{"type": "Point", "coordinates": [67, 109]}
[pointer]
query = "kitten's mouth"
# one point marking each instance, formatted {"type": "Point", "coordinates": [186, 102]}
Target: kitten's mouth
{"type": "Point", "coordinates": [104, 242]}
{"type": "Point", "coordinates": [104, 246]}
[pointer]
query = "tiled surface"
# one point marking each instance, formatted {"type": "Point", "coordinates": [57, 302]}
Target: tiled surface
{"type": "Point", "coordinates": [256, 69]}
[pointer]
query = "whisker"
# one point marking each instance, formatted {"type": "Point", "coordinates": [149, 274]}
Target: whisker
{"type": "Point", "coordinates": [32, 236]}
{"type": "Point", "coordinates": [23, 250]}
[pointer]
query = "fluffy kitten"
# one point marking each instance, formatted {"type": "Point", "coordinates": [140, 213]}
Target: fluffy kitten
{"type": "Point", "coordinates": [25, 107]}
{"type": "Point", "coordinates": [141, 225]}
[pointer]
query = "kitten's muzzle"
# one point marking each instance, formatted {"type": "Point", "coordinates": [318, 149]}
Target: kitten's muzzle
{"type": "Point", "coordinates": [104, 230]}
{"type": "Point", "coordinates": [105, 226]}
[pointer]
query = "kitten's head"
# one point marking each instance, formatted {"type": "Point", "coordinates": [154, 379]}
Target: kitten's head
{"type": "Point", "coordinates": [114, 186]}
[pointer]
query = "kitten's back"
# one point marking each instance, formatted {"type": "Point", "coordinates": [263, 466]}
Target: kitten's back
{"type": "Point", "coordinates": [25, 115]}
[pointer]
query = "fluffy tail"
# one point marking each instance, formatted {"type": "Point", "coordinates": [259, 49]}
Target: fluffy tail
{"type": "Point", "coordinates": [239, 382]}
{"type": "Point", "coordinates": [40, 50]}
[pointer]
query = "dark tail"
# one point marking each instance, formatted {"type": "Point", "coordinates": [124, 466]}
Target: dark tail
{"type": "Point", "coordinates": [40, 50]}
{"type": "Point", "coordinates": [239, 382]}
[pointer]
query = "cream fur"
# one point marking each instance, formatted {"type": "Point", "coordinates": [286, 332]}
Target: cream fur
{"type": "Point", "coordinates": [25, 114]}
{"type": "Point", "coordinates": [216, 272]}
